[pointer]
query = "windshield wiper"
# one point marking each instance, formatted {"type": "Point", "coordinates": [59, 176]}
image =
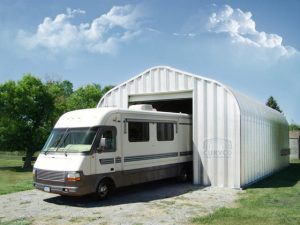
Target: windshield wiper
{"type": "Point", "coordinates": [59, 141]}
{"type": "Point", "coordinates": [65, 150]}
{"type": "Point", "coordinates": [56, 144]}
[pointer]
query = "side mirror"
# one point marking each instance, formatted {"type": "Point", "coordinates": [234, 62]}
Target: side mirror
{"type": "Point", "coordinates": [102, 144]}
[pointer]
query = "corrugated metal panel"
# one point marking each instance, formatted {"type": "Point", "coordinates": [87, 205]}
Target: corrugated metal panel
{"type": "Point", "coordinates": [225, 126]}
{"type": "Point", "coordinates": [264, 133]}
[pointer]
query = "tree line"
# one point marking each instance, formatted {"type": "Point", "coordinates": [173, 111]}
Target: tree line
{"type": "Point", "coordinates": [29, 109]}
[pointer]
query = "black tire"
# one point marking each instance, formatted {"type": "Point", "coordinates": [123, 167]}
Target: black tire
{"type": "Point", "coordinates": [104, 189]}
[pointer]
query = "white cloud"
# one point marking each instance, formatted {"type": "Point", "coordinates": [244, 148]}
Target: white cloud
{"type": "Point", "coordinates": [103, 35]}
{"type": "Point", "coordinates": [184, 34]}
{"type": "Point", "coordinates": [241, 28]}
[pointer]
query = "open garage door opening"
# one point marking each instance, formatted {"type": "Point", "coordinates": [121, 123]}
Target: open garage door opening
{"type": "Point", "coordinates": [170, 105]}
{"type": "Point", "coordinates": [177, 102]}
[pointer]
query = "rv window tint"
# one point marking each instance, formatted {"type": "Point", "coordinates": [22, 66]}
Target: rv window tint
{"type": "Point", "coordinates": [165, 131]}
{"type": "Point", "coordinates": [138, 131]}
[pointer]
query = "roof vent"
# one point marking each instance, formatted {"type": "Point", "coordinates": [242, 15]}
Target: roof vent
{"type": "Point", "coordinates": [146, 107]}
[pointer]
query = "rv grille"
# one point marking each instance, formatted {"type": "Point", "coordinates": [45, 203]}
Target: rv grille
{"type": "Point", "coordinates": [51, 175]}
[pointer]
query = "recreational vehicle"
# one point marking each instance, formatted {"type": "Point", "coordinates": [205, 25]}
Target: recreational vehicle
{"type": "Point", "coordinates": [97, 150]}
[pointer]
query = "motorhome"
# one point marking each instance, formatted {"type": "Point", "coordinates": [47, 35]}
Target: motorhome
{"type": "Point", "coordinates": [97, 150]}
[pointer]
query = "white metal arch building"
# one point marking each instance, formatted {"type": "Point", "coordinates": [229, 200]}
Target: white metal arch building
{"type": "Point", "coordinates": [236, 140]}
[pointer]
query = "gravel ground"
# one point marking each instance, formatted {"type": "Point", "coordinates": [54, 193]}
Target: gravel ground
{"type": "Point", "coordinates": [164, 202]}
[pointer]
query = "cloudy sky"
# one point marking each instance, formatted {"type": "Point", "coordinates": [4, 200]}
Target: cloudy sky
{"type": "Point", "coordinates": [251, 46]}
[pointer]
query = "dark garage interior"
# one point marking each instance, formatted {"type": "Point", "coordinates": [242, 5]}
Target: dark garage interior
{"type": "Point", "coordinates": [170, 105]}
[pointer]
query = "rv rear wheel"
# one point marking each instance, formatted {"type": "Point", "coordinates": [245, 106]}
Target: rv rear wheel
{"type": "Point", "coordinates": [104, 189]}
{"type": "Point", "coordinates": [183, 176]}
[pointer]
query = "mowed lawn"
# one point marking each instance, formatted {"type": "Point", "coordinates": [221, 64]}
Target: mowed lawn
{"type": "Point", "coordinates": [275, 200]}
{"type": "Point", "coordinates": [12, 177]}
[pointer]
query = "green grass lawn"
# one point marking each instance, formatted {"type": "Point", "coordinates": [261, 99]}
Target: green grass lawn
{"type": "Point", "coordinates": [12, 177]}
{"type": "Point", "coordinates": [275, 200]}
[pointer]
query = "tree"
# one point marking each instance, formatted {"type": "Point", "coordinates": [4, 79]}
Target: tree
{"type": "Point", "coordinates": [272, 103]}
{"type": "Point", "coordinates": [86, 97]}
{"type": "Point", "coordinates": [294, 126]}
{"type": "Point", "coordinates": [29, 109]}
{"type": "Point", "coordinates": [106, 89]}
{"type": "Point", "coordinates": [26, 107]}
{"type": "Point", "coordinates": [60, 91]}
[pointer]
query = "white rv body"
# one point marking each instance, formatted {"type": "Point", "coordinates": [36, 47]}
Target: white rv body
{"type": "Point", "coordinates": [119, 146]}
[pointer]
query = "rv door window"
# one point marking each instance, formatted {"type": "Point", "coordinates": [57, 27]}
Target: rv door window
{"type": "Point", "coordinates": [108, 139]}
{"type": "Point", "coordinates": [138, 131]}
{"type": "Point", "coordinates": [165, 131]}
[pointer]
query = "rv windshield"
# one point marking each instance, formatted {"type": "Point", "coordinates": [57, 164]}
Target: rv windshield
{"type": "Point", "coordinates": [70, 140]}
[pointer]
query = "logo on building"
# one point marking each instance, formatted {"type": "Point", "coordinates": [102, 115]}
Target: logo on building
{"type": "Point", "coordinates": [217, 148]}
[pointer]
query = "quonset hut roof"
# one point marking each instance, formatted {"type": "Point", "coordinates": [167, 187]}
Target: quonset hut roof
{"type": "Point", "coordinates": [246, 104]}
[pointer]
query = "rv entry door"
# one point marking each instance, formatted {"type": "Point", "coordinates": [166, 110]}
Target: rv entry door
{"type": "Point", "coordinates": [106, 150]}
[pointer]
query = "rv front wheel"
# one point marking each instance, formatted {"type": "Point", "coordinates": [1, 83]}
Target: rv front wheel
{"type": "Point", "coordinates": [104, 189]}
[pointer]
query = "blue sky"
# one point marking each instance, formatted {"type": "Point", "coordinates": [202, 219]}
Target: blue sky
{"type": "Point", "coordinates": [251, 46]}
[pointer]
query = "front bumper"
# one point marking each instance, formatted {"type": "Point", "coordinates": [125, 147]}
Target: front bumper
{"type": "Point", "coordinates": [62, 190]}
{"type": "Point", "coordinates": [55, 182]}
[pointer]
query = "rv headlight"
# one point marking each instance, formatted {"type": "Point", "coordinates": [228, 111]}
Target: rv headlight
{"type": "Point", "coordinates": [73, 176]}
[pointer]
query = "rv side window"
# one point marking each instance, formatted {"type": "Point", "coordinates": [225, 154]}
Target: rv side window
{"type": "Point", "coordinates": [138, 131]}
{"type": "Point", "coordinates": [108, 139]}
{"type": "Point", "coordinates": [165, 131]}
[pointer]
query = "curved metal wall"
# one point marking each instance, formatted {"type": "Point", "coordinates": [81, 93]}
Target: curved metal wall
{"type": "Point", "coordinates": [226, 126]}
{"type": "Point", "coordinates": [216, 135]}
{"type": "Point", "coordinates": [264, 133]}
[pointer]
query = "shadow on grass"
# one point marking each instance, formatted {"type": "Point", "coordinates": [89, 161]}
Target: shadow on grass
{"type": "Point", "coordinates": [285, 178]}
{"type": "Point", "coordinates": [133, 194]}
{"type": "Point", "coordinates": [17, 169]}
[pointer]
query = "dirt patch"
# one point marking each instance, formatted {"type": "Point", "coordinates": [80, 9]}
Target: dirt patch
{"type": "Point", "coordinates": [163, 202]}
